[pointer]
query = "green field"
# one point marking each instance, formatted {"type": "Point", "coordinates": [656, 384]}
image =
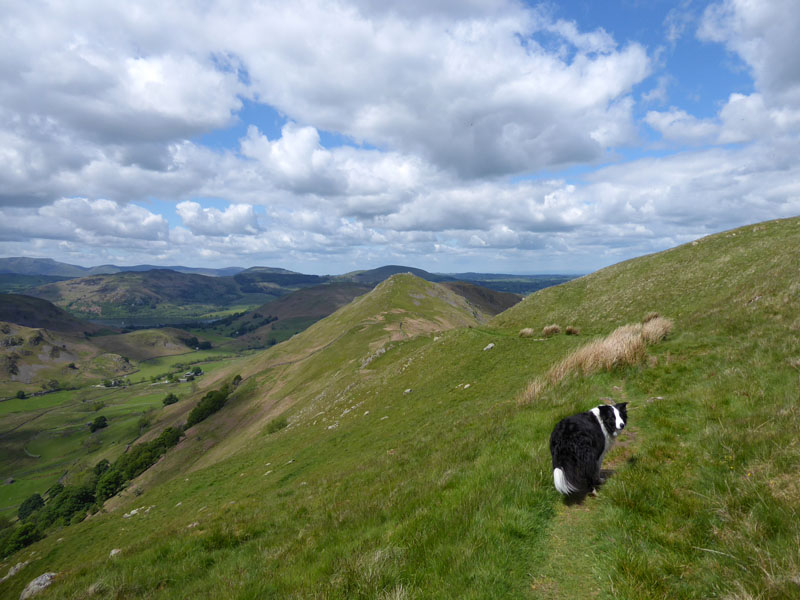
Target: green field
{"type": "Point", "coordinates": [416, 472]}
{"type": "Point", "coordinates": [53, 427]}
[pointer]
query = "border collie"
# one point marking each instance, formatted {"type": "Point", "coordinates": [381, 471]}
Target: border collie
{"type": "Point", "coordinates": [579, 443]}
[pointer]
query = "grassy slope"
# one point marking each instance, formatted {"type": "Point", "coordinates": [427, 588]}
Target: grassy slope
{"type": "Point", "coordinates": [145, 344]}
{"type": "Point", "coordinates": [450, 495]}
{"type": "Point", "coordinates": [53, 428]}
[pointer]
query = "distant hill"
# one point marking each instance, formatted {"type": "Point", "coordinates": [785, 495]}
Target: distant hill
{"type": "Point", "coordinates": [15, 283]}
{"type": "Point", "coordinates": [487, 300]}
{"type": "Point", "coordinates": [40, 266]}
{"type": "Point", "coordinates": [110, 269]}
{"type": "Point", "coordinates": [267, 280]}
{"type": "Point", "coordinates": [143, 294]}
{"type": "Point", "coordinates": [277, 320]}
{"type": "Point", "coordinates": [47, 266]}
{"type": "Point", "coordinates": [516, 284]}
{"type": "Point", "coordinates": [146, 343]}
{"type": "Point", "coordinates": [39, 313]}
{"type": "Point", "coordinates": [282, 318]}
{"type": "Point", "coordinates": [375, 276]}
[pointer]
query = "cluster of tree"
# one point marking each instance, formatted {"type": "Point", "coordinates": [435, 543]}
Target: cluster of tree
{"type": "Point", "coordinates": [193, 342]}
{"type": "Point", "coordinates": [170, 399]}
{"type": "Point", "coordinates": [208, 405]}
{"type": "Point", "coordinates": [135, 462]}
{"type": "Point", "coordinates": [99, 423]}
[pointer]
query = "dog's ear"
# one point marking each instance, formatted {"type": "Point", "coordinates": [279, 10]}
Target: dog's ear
{"type": "Point", "coordinates": [621, 405]}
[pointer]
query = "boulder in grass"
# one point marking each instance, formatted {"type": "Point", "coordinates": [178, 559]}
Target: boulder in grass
{"type": "Point", "coordinates": [37, 585]}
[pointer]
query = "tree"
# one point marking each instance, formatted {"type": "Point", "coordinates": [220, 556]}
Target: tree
{"type": "Point", "coordinates": [101, 467]}
{"type": "Point", "coordinates": [109, 484]}
{"type": "Point", "coordinates": [54, 490]}
{"type": "Point", "coordinates": [21, 395]}
{"type": "Point", "coordinates": [208, 405]}
{"type": "Point", "coordinates": [23, 536]}
{"type": "Point", "coordinates": [29, 506]}
{"type": "Point", "coordinates": [98, 423]}
{"type": "Point", "coordinates": [170, 399]}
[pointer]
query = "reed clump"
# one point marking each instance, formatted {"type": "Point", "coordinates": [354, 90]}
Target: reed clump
{"type": "Point", "coordinates": [624, 346]}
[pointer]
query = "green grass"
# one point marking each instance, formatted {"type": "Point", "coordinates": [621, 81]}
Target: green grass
{"type": "Point", "coordinates": [53, 429]}
{"type": "Point", "coordinates": [399, 481]}
{"type": "Point", "coordinates": [207, 359]}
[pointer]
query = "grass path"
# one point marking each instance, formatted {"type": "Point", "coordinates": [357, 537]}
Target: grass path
{"type": "Point", "coordinates": [573, 569]}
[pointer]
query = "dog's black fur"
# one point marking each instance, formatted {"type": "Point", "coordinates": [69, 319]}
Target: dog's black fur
{"type": "Point", "coordinates": [579, 443]}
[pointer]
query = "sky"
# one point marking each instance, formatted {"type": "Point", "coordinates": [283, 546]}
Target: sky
{"type": "Point", "coordinates": [326, 136]}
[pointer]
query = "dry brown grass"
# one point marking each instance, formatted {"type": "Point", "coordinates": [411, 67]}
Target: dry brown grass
{"type": "Point", "coordinates": [650, 316]}
{"type": "Point", "coordinates": [551, 330]}
{"type": "Point", "coordinates": [625, 345]}
{"type": "Point", "coordinates": [571, 330]}
{"type": "Point", "coordinates": [656, 329]}
{"type": "Point", "coordinates": [526, 332]}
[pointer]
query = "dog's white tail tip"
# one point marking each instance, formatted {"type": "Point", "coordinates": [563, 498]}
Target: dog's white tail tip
{"type": "Point", "coordinates": [561, 483]}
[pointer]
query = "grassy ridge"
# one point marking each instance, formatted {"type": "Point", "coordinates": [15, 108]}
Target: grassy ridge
{"type": "Point", "coordinates": [418, 475]}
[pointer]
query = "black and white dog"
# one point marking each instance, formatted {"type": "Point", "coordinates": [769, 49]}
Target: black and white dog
{"type": "Point", "coordinates": [579, 443]}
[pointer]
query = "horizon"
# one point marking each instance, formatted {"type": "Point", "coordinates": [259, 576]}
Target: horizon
{"type": "Point", "coordinates": [494, 136]}
{"type": "Point", "coordinates": [255, 266]}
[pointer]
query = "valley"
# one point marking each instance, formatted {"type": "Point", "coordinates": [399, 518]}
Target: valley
{"type": "Point", "coordinates": [388, 448]}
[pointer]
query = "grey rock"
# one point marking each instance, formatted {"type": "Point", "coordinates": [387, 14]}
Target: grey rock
{"type": "Point", "coordinates": [37, 585]}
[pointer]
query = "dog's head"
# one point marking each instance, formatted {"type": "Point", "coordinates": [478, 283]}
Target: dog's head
{"type": "Point", "coordinates": [614, 417]}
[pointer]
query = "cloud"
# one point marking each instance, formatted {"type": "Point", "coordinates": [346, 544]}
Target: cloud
{"type": "Point", "coordinates": [445, 116]}
{"type": "Point", "coordinates": [678, 20]}
{"type": "Point", "coordinates": [764, 35]}
{"type": "Point", "coordinates": [658, 94]}
{"type": "Point", "coordinates": [86, 221]}
{"type": "Point", "coordinates": [679, 126]}
{"type": "Point", "coordinates": [235, 219]}
{"type": "Point", "coordinates": [471, 88]}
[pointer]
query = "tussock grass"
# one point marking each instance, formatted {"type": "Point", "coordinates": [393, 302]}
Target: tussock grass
{"type": "Point", "coordinates": [624, 346]}
{"type": "Point", "coordinates": [526, 332]}
{"type": "Point", "coordinates": [656, 329]}
{"type": "Point", "coordinates": [551, 330]}
{"type": "Point", "coordinates": [572, 330]}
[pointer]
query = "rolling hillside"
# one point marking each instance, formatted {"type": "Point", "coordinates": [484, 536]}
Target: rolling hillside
{"type": "Point", "coordinates": [36, 312]}
{"type": "Point", "coordinates": [146, 344]}
{"type": "Point", "coordinates": [278, 320]}
{"type": "Point", "coordinates": [385, 452]}
{"type": "Point", "coordinates": [149, 294]}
